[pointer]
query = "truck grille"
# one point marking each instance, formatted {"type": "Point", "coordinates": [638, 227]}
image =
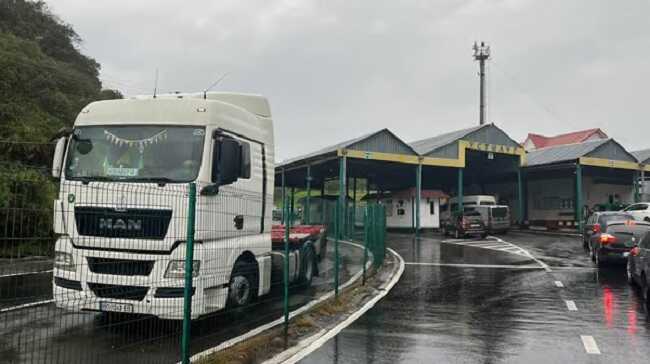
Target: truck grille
{"type": "Point", "coordinates": [126, 223]}
{"type": "Point", "coordinates": [121, 267]}
{"type": "Point", "coordinates": [119, 292]}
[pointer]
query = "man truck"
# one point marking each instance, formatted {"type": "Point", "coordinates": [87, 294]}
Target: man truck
{"type": "Point", "coordinates": [122, 210]}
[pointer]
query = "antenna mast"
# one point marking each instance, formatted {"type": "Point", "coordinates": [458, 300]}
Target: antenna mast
{"type": "Point", "coordinates": [155, 85]}
{"type": "Point", "coordinates": [481, 54]}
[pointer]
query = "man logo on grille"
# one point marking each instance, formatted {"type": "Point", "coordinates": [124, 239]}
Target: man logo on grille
{"type": "Point", "coordinates": [120, 224]}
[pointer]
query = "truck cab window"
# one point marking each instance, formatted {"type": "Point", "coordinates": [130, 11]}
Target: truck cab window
{"type": "Point", "coordinates": [136, 153]}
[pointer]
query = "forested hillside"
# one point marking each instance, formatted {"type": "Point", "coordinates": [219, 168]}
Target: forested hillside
{"type": "Point", "coordinates": [44, 82]}
{"type": "Point", "coordinates": [44, 79]}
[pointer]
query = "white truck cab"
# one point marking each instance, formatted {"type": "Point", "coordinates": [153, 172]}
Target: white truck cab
{"type": "Point", "coordinates": [121, 213]}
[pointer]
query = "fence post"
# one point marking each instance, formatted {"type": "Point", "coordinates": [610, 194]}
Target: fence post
{"type": "Point", "coordinates": [189, 270]}
{"type": "Point", "coordinates": [366, 239]}
{"type": "Point", "coordinates": [340, 219]}
{"type": "Point", "coordinates": [285, 275]}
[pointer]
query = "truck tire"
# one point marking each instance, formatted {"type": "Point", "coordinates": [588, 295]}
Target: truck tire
{"type": "Point", "coordinates": [308, 268]}
{"type": "Point", "coordinates": [242, 289]}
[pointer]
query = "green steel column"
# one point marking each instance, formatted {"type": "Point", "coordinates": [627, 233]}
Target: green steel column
{"type": "Point", "coordinates": [307, 208]}
{"type": "Point", "coordinates": [354, 204]}
{"type": "Point", "coordinates": [340, 218]}
{"type": "Point", "coordinates": [460, 190]}
{"type": "Point", "coordinates": [413, 214]}
{"type": "Point", "coordinates": [578, 200]}
{"type": "Point", "coordinates": [285, 270]}
{"type": "Point", "coordinates": [292, 213]}
{"type": "Point", "coordinates": [520, 196]}
{"type": "Point", "coordinates": [418, 198]}
{"type": "Point", "coordinates": [323, 220]}
{"type": "Point", "coordinates": [637, 196]}
{"type": "Point", "coordinates": [189, 274]}
{"type": "Point", "coordinates": [283, 193]}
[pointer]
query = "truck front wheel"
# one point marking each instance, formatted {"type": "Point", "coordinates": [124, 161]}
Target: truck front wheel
{"type": "Point", "coordinates": [243, 284]}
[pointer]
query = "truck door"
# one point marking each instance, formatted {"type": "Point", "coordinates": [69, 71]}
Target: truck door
{"type": "Point", "coordinates": [235, 208]}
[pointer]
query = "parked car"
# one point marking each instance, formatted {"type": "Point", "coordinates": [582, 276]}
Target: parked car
{"type": "Point", "coordinates": [638, 267]}
{"type": "Point", "coordinates": [495, 217]}
{"type": "Point", "coordinates": [465, 224]}
{"type": "Point", "coordinates": [598, 220]}
{"type": "Point", "coordinates": [640, 211]}
{"type": "Point", "coordinates": [613, 241]}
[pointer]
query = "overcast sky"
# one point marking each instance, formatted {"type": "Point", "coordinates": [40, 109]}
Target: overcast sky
{"type": "Point", "coordinates": [334, 70]}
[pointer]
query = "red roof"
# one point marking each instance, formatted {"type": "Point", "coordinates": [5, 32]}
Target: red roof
{"type": "Point", "coordinates": [541, 141]}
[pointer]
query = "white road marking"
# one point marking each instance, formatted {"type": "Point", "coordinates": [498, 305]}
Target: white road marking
{"type": "Point", "coordinates": [25, 273]}
{"type": "Point", "coordinates": [462, 265]}
{"type": "Point", "coordinates": [26, 305]}
{"type": "Point", "coordinates": [559, 284]}
{"type": "Point", "coordinates": [590, 344]}
{"type": "Point", "coordinates": [571, 305]}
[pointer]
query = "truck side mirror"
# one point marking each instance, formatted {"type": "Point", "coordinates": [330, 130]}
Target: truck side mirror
{"type": "Point", "coordinates": [59, 153]}
{"type": "Point", "coordinates": [227, 161]}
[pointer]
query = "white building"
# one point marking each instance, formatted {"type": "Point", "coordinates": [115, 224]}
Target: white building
{"type": "Point", "coordinates": [400, 208]}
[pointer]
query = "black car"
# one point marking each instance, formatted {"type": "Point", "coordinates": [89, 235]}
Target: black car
{"type": "Point", "coordinates": [467, 223]}
{"type": "Point", "coordinates": [595, 223]}
{"type": "Point", "coordinates": [638, 266]}
{"type": "Point", "coordinates": [613, 241]}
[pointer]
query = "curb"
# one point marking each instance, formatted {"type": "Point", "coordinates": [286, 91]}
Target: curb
{"type": "Point", "coordinates": [258, 330]}
{"type": "Point", "coordinates": [314, 342]}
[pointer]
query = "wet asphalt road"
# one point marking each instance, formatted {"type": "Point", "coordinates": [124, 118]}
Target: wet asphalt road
{"type": "Point", "coordinates": [45, 334]}
{"type": "Point", "coordinates": [466, 302]}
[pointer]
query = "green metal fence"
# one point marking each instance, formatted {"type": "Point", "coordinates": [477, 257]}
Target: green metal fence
{"type": "Point", "coordinates": [146, 271]}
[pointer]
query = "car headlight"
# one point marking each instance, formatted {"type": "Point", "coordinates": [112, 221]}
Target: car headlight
{"type": "Point", "coordinates": [64, 261]}
{"type": "Point", "coordinates": [176, 269]}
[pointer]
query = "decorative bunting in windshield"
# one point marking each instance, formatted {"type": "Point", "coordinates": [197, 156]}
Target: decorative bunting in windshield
{"type": "Point", "coordinates": [141, 143]}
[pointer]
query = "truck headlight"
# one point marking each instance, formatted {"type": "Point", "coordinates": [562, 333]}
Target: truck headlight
{"type": "Point", "coordinates": [176, 269]}
{"type": "Point", "coordinates": [64, 261]}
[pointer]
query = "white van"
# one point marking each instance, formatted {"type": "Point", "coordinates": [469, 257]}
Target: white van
{"type": "Point", "coordinates": [495, 217]}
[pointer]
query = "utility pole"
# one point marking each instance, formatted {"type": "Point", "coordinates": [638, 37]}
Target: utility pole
{"type": "Point", "coordinates": [481, 54]}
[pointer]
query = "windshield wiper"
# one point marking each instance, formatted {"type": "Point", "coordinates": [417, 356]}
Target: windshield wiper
{"type": "Point", "coordinates": [85, 180]}
{"type": "Point", "coordinates": [160, 180]}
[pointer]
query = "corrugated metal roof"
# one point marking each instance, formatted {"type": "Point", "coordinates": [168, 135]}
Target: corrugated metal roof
{"type": "Point", "coordinates": [643, 156]}
{"type": "Point", "coordinates": [428, 145]}
{"type": "Point", "coordinates": [563, 153]}
{"type": "Point", "coordinates": [347, 144]}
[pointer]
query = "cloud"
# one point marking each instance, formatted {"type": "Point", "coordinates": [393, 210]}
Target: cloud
{"type": "Point", "coordinates": [338, 69]}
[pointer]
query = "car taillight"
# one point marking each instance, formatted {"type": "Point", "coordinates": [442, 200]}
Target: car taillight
{"type": "Point", "coordinates": [596, 228]}
{"type": "Point", "coordinates": [635, 251]}
{"type": "Point", "coordinates": [607, 239]}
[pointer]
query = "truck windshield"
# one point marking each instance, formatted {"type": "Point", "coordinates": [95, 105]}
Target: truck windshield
{"type": "Point", "coordinates": [135, 153]}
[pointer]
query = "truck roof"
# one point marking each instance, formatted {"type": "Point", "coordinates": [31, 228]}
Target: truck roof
{"type": "Point", "coordinates": [247, 114]}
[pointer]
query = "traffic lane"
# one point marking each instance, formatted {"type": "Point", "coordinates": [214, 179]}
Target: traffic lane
{"type": "Point", "coordinates": [461, 315]}
{"type": "Point", "coordinates": [47, 334]}
{"type": "Point", "coordinates": [610, 310]}
{"type": "Point", "coordinates": [432, 247]}
{"type": "Point", "coordinates": [18, 289]}
{"type": "Point", "coordinates": [521, 317]}
{"type": "Point", "coordinates": [554, 250]}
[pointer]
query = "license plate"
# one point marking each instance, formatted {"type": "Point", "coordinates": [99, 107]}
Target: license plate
{"type": "Point", "coordinates": [116, 307]}
{"type": "Point", "coordinates": [626, 254]}
{"type": "Point", "coordinates": [475, 225]}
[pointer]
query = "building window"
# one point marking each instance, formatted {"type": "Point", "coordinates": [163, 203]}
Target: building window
{"type": "Point", "coordinates": [432, 208]}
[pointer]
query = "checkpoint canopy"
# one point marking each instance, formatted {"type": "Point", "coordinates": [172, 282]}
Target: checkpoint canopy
{"type": "Point", "coordinates": [566, 181]}
{"type": "Point", "coordinates": [475, 159]}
